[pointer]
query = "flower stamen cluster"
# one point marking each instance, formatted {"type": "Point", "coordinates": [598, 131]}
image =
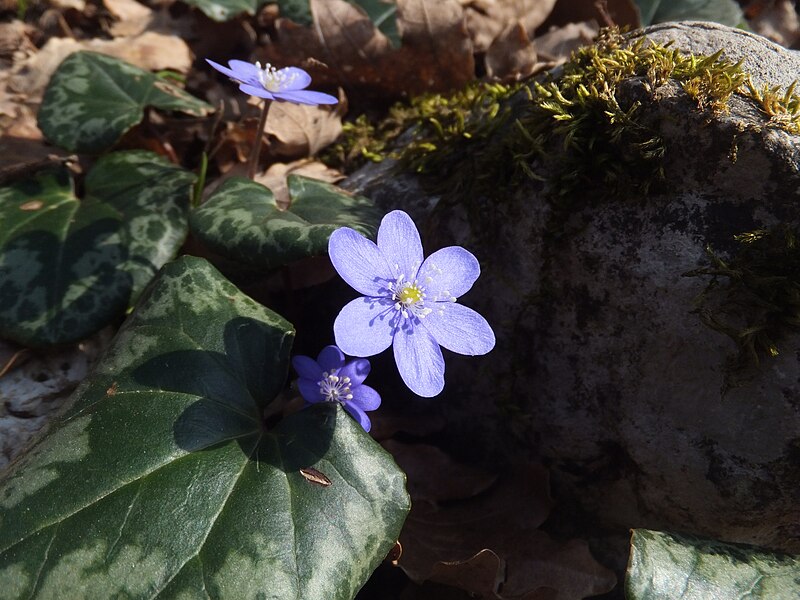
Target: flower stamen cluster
{"type": "Point", "coordinates": [334, 388]}
{"type": "Point", "coordinates": [273, 79]}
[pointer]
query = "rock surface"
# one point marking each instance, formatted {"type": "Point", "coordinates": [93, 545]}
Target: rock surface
{"type": "Point", "coordinates": [607, 373]}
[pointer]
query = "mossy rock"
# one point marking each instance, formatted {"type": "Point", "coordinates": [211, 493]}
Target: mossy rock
{"type": "Point", "coordinates": [603, 365]}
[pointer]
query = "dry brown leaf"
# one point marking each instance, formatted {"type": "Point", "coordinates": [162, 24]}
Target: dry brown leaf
{"type": "Point", "coordinates": [149, 51]}
{"type": "Point", "coordinates": [622, 12]}
{"type": "Point", "coordinates": [433, 476]}
{"type": "Point", "coordinates": [776, 20]}
{"type": "Point", "coordinates": [275, 177]}
{"type": "Point", "coordinates": [557, 45]}
{"type": "Point", "coordinates": [490, 545]}
{"type": "Point", "coordinates": [300, 130]}
{"type": "Point", "coordinates": [487, 19]}
{"type": "Point", "coordinates": [511, 56]}
{"type": "Point", "coordinates": [132, 17]}
{"type": "Point", "coordinates": [436, 53]}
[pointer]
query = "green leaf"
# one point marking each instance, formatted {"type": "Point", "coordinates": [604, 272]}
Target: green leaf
{"type": "Point", "coordinates": [666, 566]}
{"type": "Point", "coordinates": [162, 481]}
{"type": "Point", "coordinates": [69, 267]}
{"type": "Point", "coordinates": [726, 12]}
{"type": "Point", "coordinates": [93, 99]}
{"type": "Point", "coordinates": [242, 221]}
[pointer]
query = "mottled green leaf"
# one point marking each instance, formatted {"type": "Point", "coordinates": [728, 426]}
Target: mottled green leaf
{"type": "Point", "coordinates": [726, 12]}
{"type": "Point", "coordinates": [69, 267]}
{"type": "Point", "coordinates": [162, 480]}
{"type": "Point", "coordinates": [242, 221]}
{"type": "Point", "coordinates": [93, 99]}
{"type": "Point", "coordinates": [667, 566]}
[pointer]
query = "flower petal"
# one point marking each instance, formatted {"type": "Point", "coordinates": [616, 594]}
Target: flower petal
{"type": "Point", "coordinates": [359, 415]}
{"type": "Point", "coordinates": [256, 91]}
{"type": "Point", "coordinates": [297, 79]}
{"type": "Point", "coordinates": [419, 360]}
{"type": "Point", "coordinates": [459, 328]}
{"type": "Point", "coordinates": [330, 358]}
{"type": "Point", "coordinates": [307, 367]}
{"type": "Point", "coordinates": [357, 370]}
{"type": "Point", "coordinates": [306, 97]}
{"type": "Point", "coordinates": [245, 71]}
{"type": "Point", "coordinates": [359, 262]}
{"type": "Point", "coordinates": [451, 270]}
{"type": "Point", "coordinates": [398, 240]}
{"type": "Point", "coordinates": [364, 326]}
{"type": "Point", "coordinates": [365, 398]}
{"type": "Point", "coordinates": [224, 70]}
{"type": "Point", "coordinates": [309, 390]}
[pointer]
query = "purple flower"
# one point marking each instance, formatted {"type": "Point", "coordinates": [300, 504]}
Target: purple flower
{"type": "Point", "coordinates": [287, 84]}
{"type": "Point", "coordinates": [331, 379]}
{"type": "Point", "coordinates": [408, 303]}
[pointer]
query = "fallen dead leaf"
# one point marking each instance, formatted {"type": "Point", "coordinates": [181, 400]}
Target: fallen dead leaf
{"type": "Point", "coordinates": [622, 12]}
{"type": "Point", "coordinates": [559, 43]}
{"type": "Point", "coordinates": [300, 130]}
{"type": "Point", "coordinates": [511, 56]}
{"type": "Point", "coordinates": [487, 19]}
{"type": "Point", "coordinates": [776, 20]}
{"type": "Point", "coordinates": [132, 18]}
{"type": "Point", "coordinates": [490, 544]}
{"type": "Point", "coordinates": [435, 55]}
{"type": "Point", "coordinates": [275, 177]}
{"type": "Point", "coordinates": [434, 476]}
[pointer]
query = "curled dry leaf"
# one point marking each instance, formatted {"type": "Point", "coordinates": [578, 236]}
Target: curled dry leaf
{"type": "Point", "coordinates": [490, 544]}
{"type": "Point", "coordinates": [488, 19]}
{"type": "Point", "coordinates": [300, 130]}
{"type": "Point", "coordinates": [435, 55]}
{"type": "Point", "coordinates": [557, 45]}
{"type": "Point", "coordinates": [622, 12]}
{"type": "Point", "coordinates": [132, 18]}
{"type": "Point", "coordinates": [511, 56]}
{"type": "Point", "coordinates": [776, 20]}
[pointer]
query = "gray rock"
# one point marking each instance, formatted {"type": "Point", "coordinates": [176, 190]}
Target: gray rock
{"type": "Point", "coordinates": [601, 367]}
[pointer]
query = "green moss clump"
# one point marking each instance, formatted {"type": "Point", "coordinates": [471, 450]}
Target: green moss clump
{"type": "Point", "coordinates": [754, 298]}
{"type": "Point", "coordinates": [782, 109]}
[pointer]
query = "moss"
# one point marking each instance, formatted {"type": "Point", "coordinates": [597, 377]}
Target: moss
{"type": "Point", "coordinates": [754, 298]}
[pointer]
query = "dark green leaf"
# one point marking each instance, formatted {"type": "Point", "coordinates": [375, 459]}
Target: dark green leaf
{"type": "Point", "coordinates": [666, 566]}
{"type": "Point", "coordinates": [161, 480]}
{"type": "Point", "coordinates": [69, 267]}
{"type": "Point", "coordinates": [93, 99]}
{"type": "Point", "coordinates": [242, 221]}
{"type": "Point", "coordinates": [726, 12]}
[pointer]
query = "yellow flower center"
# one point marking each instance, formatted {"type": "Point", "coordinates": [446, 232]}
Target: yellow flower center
{"type": "Point", "coordinates": [410, 294]}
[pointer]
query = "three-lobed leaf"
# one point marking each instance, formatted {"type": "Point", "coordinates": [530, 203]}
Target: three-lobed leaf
{"type": "Point", "coordinates": [242, 220]}
{"type": "Point", "coordinates": [162, 481]}
{"type": "Point", "coordinates": [69, 267]}
{"type": "Point", "coordinates": [667, 566]}
{"type": "Point", "coordinates": [93, 99]}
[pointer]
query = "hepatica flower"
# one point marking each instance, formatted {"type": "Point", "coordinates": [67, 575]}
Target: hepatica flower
{"type": "Point", "coordinates": [408, 303]}
{"type": "Point", "coordinates": [288, 84]}
{"type": "Point", "coordinates": [332, 379]}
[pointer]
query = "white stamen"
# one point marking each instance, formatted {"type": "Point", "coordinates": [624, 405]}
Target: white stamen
{"type": "Point", "coordinates": [335, 388]}
{"type": "Point", "coordinates": [274, 80]}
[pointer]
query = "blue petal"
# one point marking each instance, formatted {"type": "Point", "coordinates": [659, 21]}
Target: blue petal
{"type": "Point", "coordinates": [305, 97]}
{"type": "Point", "coordinates": [330, 358]}
{"type": "Point", "coordinates": [398, 240]}
{"type": "Point", "coordinates": [364, 326]}
{"type": "Point", "coordinates": [359, 262]}
{"type": "Point", "coordinates": [450, 270]}
{"type": "Point", "coordinates": [223, 70]}
{"type": "Point", "coordinates": [359, 415]}
{"type": "Point", "coordinates": [365, 398]}
{"type": "Point", "coordinates": [256, 91]}
{"type": "Point", "coordinates": [309, 390]}
{"type": "Point", "coordinates": [357, 370]}
{"type": "Point", "coordinates": [307, 367]}
{"type": "Point", "coordinates": [301, 79]}
{"type": "Point", "coordinates": [459, 328]}
{"type": "Point", "coordinates": [245, 71]}
{"type": "Point", "coordinates": [419, 360]}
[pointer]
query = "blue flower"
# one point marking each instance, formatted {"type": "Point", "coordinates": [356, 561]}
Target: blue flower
{"type": "Point", "coordinates": [331, 379]}
{"type": "Point", "coordinates": [408, 303]}
{"type": "Point", "coordinates": [286, 84]}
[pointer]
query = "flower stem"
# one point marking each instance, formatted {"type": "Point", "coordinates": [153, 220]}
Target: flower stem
{"type": "Point", "coordinates": [252, 163]}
